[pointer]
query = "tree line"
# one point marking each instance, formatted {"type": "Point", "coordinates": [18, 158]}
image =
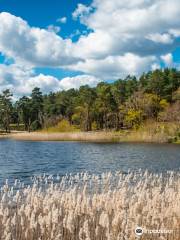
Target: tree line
{"type": "Point", "coordinates": [125, 103]}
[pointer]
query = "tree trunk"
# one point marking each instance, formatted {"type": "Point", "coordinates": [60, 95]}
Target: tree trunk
{"type": "Point", "coordinates": [29, 126]}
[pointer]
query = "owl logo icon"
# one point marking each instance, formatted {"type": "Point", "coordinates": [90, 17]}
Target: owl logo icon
{"type": "Point", "coordinates": [139, 231]}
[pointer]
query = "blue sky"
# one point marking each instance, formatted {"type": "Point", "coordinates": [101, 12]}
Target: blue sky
{"type": "Point", "coordinates": [42, 13]}
{"type": "Point", "coordinates": [62, 44]}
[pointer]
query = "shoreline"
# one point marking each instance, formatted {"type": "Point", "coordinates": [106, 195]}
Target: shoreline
{"type": "Point", "coordinates": [111, 137]}
{"type": "Point", "coordinates": [67, 136]}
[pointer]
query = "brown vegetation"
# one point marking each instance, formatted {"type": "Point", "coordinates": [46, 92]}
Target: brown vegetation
{"type": "Point", "coordinates": [92, 207]}
{"type": "Point", "coordinates": [149, 132]}
{"type": "Point", "coordinates": [68, 136]}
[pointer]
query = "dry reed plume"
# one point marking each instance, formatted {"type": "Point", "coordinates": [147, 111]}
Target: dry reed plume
{"type": "Point", "coordinates": [68, 136]}
{"type": "Point", "coordinates": [91, 207]}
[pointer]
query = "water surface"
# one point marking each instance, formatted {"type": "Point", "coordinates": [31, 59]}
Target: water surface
{"type": "Point", "coordinates": [22, 159]}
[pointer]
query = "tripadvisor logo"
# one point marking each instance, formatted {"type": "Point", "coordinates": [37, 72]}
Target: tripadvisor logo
{"type": "Point", "coordinates": [139, 231]}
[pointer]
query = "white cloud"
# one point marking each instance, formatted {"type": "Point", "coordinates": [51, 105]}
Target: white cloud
{"type": "Point", "coordinates": [77, 81]}
{"type": "Point", "coordinates": [49, 83]}
{"type": "Point", "coordinates": [167, 59]}
{"type": "Point", "coordinates": [144, 16]}
{"type": "Point", "coordinates": [139, 26]}
{"type": "Point", "coordinates": [33, 46]}
{"type": "Point", "coordinates": [53, 28]}
{"type": "Point", "coordinates": [155, 66]}
{"type": "Point", "coordinates": [62, 20]}
{"type": "Point", "coordinates": [114, 67]}
{"type": "Point", "coordinates": [144, 30]}
{"type": "Point", "coordinates": [76, 32]}
{"type": "Point", "coordinates": [45, 83]}
{"type": "Point", "coordinates": [124, 37]}
{"type": "Point", "coordinates": [175, 32]}
{"type": "Point", "coordinates": [21, 81]}
{"type": "Point", "coordinates": [161, 38]}
{"type": "Point", "coordinates": [81, 11]}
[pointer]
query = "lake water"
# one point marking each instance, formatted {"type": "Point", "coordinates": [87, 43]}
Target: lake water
{"type": "Point", "coordinates": [22, 159]}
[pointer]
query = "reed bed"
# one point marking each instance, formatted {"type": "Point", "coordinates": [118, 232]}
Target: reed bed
{"type": "Point", "coordinates": [91, 207]}
{"type": "Point", "coordinates": [150, 132]}
{"type": "Point", "coordinates": [69, 136]}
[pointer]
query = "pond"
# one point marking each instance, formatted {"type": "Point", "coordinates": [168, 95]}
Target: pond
{"type": "Point", "coordinates": [22, 159]}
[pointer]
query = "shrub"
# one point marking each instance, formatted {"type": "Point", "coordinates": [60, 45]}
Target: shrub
{"type": "Point", "coordinates": [62, 126]}
{"type": "Point", "coordinates": [133, 118]}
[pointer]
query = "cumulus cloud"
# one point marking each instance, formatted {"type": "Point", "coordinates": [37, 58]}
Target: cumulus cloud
{"type": "Point", "coordinates": [81, 12]}
{"type": "Point", "coordinates": [138, 16]}
{"type": "Point", "coordinates": [21, 80]}
{"type": "Point", "coordinates": [167, 59]}
{"type": "Point", "coordinates": [53, 28]}
{"type": "Point", "coordinates": [114, 67]}
{"type": "Point", "coordinates": [62, 20]}
{"type": "Point", "coordinates": [140, 30]}
{"type": "Point", "coordinates": [33, 46]}
{"type": "Point", "coordinates": [155, 66]}
{"type": "Point", "coordinates": [45, 83]}
{"type": "Point", "coordinates": [175, 32]}
{"type": "Point", "coordinates": [77, 81]}
{"type": "Point", "coordinates": [141, 27]}
{"type": "Point", "coordinates": [161, 38]}
{"type": "Point", "coordinates": [123, 37]}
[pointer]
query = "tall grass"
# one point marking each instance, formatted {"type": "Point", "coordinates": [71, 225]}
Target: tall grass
{"type": "Point", "coordinates": [69, 136]}
{"type": "Point", "coordinates": [157, 132]}
{"type": "Point", "coordinates": [151, 132]}
{"type": "Point", "coordinates": [91, 207]}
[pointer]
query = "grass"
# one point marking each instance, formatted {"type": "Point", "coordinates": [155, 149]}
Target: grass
{"type": "Point", "coordinates": [152, 132]}
{"type": "Point", "coordinates": [92, 207]}
{"type": "Point", "coordinates": [156, 132]}
{"type": "Point", "coordinates": [69, 136]}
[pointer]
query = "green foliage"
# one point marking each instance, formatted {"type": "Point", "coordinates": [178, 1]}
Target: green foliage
{"type": "Point", "coordinates": [85, 101]}
{"type": "Point", "coordinates": [161, 82]}
{"type": "Point", "coordinates": [24, 108]}
{"type": "Point", "coordinates": [176, 95]}
{"type": "Point", "coordinates": [30, 110]}
{"type": "Point", "coordinates": [5, 109]}
{"type": "Point", "coordinates": [62, 126]}
{"type": "Point", "coordinates": [133, 118]}
{"type": "Point", "coordinates": [125, 103]}
{"type": "Point", "coordinates": [164, 104]}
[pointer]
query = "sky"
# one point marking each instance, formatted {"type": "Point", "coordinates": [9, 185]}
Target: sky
{"type": "Point", "coordinates": [62, 44]}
